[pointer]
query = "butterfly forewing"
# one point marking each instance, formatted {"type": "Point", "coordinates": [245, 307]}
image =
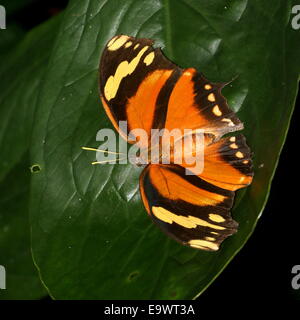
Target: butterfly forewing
{"type": "Point", "coordinates": [132, 74]}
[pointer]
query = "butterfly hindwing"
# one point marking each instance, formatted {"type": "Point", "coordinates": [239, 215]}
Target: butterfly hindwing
{"type": "Point", "coordinates": [189, 209]}
{"type": "Point", "coordinates": [227, 163]}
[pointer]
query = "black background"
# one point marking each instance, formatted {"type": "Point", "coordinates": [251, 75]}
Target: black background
{"type": "Point", "coordinates": [262, 269]}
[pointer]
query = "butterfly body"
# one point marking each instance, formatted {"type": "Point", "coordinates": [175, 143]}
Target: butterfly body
{"type": "Point", "coordinates": [184, 117]}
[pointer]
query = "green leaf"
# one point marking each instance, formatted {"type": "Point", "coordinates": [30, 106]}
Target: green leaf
{"type": "Point", "coordinates": [21, 76]}
{"type": "Point", "coordinates": [22, 281]}
{"type": "Point", "coordinates": [91, 236]}
{"type": "Point", "coordinates": [22, 73]}
{"type": "Point", "coordinates": [9, 38]}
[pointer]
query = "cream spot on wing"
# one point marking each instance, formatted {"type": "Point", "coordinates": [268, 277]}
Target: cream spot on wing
{"type": "Point", "coordinates": [124, 69]}
{"type": "Point", "coordinates": [185, 221]}
{"type": "Point", "coordinates": [216, 110]}
{"type": "Point", "coordinates": [230, 123]}
{"type": "Point", "coordinates": [149, 58]}
{"type": "Point", "coordinates": [212, 232]}
{"type": "Point", "coordinates": [233, 146]}
{"type": "Point", "coordinates": [216, 218]}
{"type": "Point", "coordinates": [242, 179]}
{"type": "Point", "coordinates": [117, 43]}
{"type": "Point", "coordinates": [136, 46]}
{"type": "Point", "coordinates": [203, 223]}
{"type": "Point", "coordinates": [245, 162]}
{"type": "Point", "coordinates": [111, 41]}
{"type": "Point", "coordinates": [207, 87]}
{"type": "Point", "coordinates": [128, 44]}
{"type": "Point", "coordinates": [203, 244]}
{"type": "Point", "coordinates": [211, 97]}
{"type": "Point", "coordinates": [239, 154]}
{"type": "Point", "coordinates": [232, 139]}
{"type": "Point", "coordinates": [210, 239]}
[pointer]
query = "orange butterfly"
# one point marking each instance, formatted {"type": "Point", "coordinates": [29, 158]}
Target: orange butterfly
{"type": "Point", "coordinates": [138, 84]}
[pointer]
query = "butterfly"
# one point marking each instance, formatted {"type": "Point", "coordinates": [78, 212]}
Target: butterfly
{"type": "Point", "coordinates": [138, 84]}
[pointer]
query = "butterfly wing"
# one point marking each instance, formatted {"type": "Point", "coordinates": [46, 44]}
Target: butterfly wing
{"type": "Point", "coordinates": [189, 209]}
{"type": "Point", "coordinates": [192, 207]}
{"type": "Point", "coordinates": [138, 84]}
{"type": "Point", "coordinates": [197, 103]}
{"type": "Point", "coordinates": [133, 79]}
{"type": "Point", "coordinates": [227, 163]}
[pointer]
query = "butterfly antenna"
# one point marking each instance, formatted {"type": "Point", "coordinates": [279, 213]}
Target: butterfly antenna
{"type": "Point", "coordinates": [223, 84]}
{"type": "Point", "coordinates": [99, 150]}
{"type": "Point", "coordinates": [105, 161]}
